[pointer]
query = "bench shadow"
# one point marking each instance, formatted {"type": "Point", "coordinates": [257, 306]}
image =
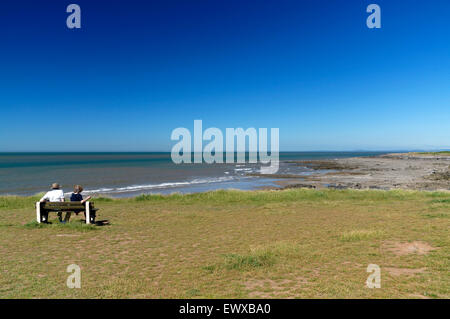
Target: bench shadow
{"type": "Point", "coordinates": [103, 222]}
{"type": "Point", "coordinates": [100, 223]}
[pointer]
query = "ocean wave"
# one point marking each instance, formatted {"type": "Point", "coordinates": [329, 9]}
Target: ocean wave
{"type": "Point", "coordinates": [134, 188]}
{"type": "Point", "coordinates": [242, 169]}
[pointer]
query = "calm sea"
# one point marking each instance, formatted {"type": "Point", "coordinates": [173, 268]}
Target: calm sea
{"type": "Point", "coordinates": [130, 174]}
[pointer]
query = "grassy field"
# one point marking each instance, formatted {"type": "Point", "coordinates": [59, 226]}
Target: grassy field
{"type": "Point", "coordinates": [294, 243]}
{"type": "Point", "coordinates": [441, 153]}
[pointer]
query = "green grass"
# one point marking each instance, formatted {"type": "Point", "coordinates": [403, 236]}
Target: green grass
{"type": "Point", "coordinates": [445, 153]}
{"type": "Point", "coordinates": [437, 215]}
{"type": "Point", "coordinates": [441, 201]}
{"type": "Point", "coordinates": [298, 243]}
{"type": "Point", "coordinates": [15, 202]}
{"type": "Point", "coordinates": [191, 293]}
{"type": "Point", "coordinates": [251, 260]}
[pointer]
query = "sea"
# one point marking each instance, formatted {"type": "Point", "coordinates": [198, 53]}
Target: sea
{"type": "Point", "coordinates": [132, 174]}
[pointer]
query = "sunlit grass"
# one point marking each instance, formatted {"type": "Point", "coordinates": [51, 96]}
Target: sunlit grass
{"type": "Point", "coordinates": [433, 153]}
{"type": "Point", "coordinates": [297, 243]}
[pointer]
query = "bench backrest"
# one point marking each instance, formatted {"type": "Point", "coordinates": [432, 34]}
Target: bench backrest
{"type": "Point", "coordinates": [64, 206]}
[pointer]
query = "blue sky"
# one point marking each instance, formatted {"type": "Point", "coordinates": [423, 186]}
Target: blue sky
{"type": "Point", "coordinates": [136, 70]}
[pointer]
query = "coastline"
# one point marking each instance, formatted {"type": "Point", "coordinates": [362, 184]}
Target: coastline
{"type": "Point", "coordinates": [296, 235]}
{"type": "Point", "coordinates": [130, 174]}
{"type": "Point", "coordinates": [408, 171]}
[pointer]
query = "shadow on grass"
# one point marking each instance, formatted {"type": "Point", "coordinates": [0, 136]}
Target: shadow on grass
{"type": "Point", "coordinates": [78, 225]}
{"type": "Point", "coordinates": [104, 222]}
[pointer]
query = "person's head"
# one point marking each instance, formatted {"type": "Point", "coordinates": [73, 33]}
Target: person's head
{"type": "Point", "coordinates": [77, 189]}
{"type": "Point", "coordinates": [56, 186]}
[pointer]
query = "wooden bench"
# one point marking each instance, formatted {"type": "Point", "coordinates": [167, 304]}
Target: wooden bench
{"type": "Point", "coordinates": [43, 208]}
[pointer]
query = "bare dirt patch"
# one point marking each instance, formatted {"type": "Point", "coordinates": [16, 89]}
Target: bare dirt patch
{"type": "Point", "coordinates": [415, 247]}
{"type": "Point", "coordinates": [419, 296]}
{"type": "Point", "coordinates": [267, 288]}
{"type": "Point", "coordinates": [404, 271]}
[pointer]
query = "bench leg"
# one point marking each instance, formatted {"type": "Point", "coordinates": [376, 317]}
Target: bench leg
{"type": "Point", "coordinates": [93, 217]}
{"type": "Point", "coordinates": [41, 214]}
{"type": "Point", "coordinates": [38, 212]}
{"type": "Point", "coordinates": [88, 213]}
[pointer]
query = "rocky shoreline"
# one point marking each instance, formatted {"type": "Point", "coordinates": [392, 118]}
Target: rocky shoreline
{"type": "Point", "coordinates": [390, 171]}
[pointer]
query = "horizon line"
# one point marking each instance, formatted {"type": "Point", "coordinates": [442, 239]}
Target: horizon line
{"type": "Point", "coordinates": [297, 151]}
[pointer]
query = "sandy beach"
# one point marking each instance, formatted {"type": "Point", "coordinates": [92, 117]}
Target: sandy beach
{"type": "Point", "coordinates": [390, 171]}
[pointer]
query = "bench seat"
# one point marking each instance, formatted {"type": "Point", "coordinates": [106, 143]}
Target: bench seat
{"type": "Point", "coordinates": [43, 208]}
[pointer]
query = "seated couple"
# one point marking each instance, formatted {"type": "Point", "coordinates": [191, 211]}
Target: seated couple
{"type": "Point", "coordinates": [57, 195]}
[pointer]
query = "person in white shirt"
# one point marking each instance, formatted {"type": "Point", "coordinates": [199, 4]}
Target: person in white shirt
{"type": "Point", "coordinates": [56, 195]}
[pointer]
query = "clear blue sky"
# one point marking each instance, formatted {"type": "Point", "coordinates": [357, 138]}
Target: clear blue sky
{"type": "Point", "coordinates": [136, 70]}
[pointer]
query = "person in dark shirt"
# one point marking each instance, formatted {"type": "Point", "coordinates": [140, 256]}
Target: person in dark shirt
{"type": "Point", "coordinates": [77, 197]}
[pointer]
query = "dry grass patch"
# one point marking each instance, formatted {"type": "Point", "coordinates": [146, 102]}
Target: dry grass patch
{"type": "Point", "coordinates": [274, 288]}
{"type": "Point", "coordinates": [403, 271]}
{"type": "Point", "coordinates": [358, 235]}
{"type": "Point", "coordinates": [415, 247]}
